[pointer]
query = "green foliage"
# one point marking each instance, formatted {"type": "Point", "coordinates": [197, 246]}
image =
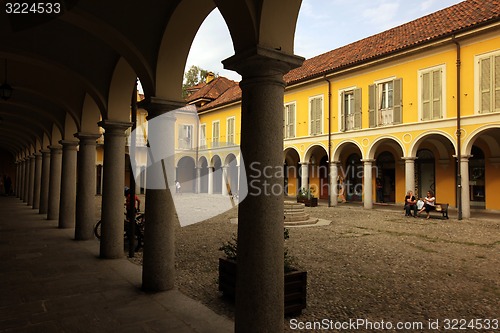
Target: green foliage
{"type": "Point", "coordinates": [230, 251]}
{"type": "Point", "coordinates": [192, 77]}
{"type": "Point", "coordinates": [305, 194]}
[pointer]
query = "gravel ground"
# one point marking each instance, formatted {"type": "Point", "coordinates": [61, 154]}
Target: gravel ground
{"type": "Point", "coordinates": [367, 264]}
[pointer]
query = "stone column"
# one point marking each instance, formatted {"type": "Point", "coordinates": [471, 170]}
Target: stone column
{"type": "Point", "coordinates": [16, 187]}
{"type": "Point", "coordinates": [54, 182]}
{"type": "Point", "coordinates": [31, 180]}
{"type": "Point", "coordinates": [26, 180]}
{"type": "Point", "coordinates": [38, 178]}
{"type": "Point", "coordinates": [158, 271]}
{"type": "Point", "coordinates": [111, 245]}
{"type": "Point", "coordinates": [367, 183]}
{"type": "Point", "coordinates": [198, 179]}
{"type": "Point", "coordinates": [304, 175]}
{"type": "Point", "coordinates": [260, 304]}
{"type": "Point", "coordinates": [224, 180]}
{"type": "Point", "coordinates": [85, 193]}
{"type": "Point", "coordinates": [334, 172]}
{"type": "Point", "coordinates": [67, 208]}
{"type": "Point", "coordinates": [464, 168]}
{"type": "Point", "coordinates": [410, 174]}
{"type": "Point", "coordinates": [45, 180]}
{"type": "Point", "coordinates": [210, 180]}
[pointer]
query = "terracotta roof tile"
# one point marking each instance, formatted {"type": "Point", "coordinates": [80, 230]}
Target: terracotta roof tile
{"type": "Point", "coordinates": [212, 90]}
{"type": "Point", "coordinates": [445, 22]}
{"type": "Point", "coordinates": [233, 94]}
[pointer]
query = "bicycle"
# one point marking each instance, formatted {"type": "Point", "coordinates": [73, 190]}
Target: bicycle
{"type": "Point", "coordinates": [139, 230]}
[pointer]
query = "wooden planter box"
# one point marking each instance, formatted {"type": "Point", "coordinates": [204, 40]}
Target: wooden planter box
{"type": "Point", "coordinates": [313, 202]}
{"type": "Point", "coordinates": [295, 286]}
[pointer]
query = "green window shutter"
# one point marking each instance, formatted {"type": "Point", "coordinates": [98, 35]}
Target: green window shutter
{"type": "Point", "coordinates": [426, 96]}
{"type": "Point", "coordinates": [371, 106]}
{"type": "Point", "coordinates": [436, 95]}
{"type": "Point", "coordinates": [291, 121]}
{"type": "Point", "coordinates": [284, 121]}
{"type": "Point", "coordinates": [312, 117]}
{"type": "Point", "coordinates": [398, 105]}
{"type": "Point", "coordinates": [485, 84]}
{"type": "Point", "coordinates": [342, 112]}
{"type": "Point", "coordinates": [357, 108]}
{"type": "Point", "coordinates": [497, 83]}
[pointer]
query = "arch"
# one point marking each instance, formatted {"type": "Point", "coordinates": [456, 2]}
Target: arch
{"type": "Point", "coordinates": [387, 140]}
{"type": "Point", "coordinates": [120, 92]}
{"type": "Point", "coordinates": [216, 164]}
{"type": "Point", "coordinates": [203, 169]}
{"type": "Point", "coordinates": [186, 174]}
{"type": "Point", "coordinates": [172, 60]}
{"type": "Point", "coordinates": [483, 132]}
{"type": "Point", "coordinates": [338, 149]}
{"type": "Point", "coordinates": [70, 128]}
{"type": "Point", "coordinates": [90, 115]}
{"type": "Point", "coordinates": [253, 23]}
{"type": "Point", "coordinates": [312, 148]}
{"type": "Point", "coordinates": [231, 173]}
{"type": "Point", "coordinates": [432, 135]}
{"type": "Point", "coordinates": [291, 171]}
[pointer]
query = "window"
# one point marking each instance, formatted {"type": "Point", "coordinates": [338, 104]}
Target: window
{"type": "Point", "coordinates": [316, 115]}
{"type": "Point", "coordinates": [350, 109]}
{"type": "Point", "coordinates": [215, 133]}
{"type": "Point", "coordinates": [185, 136]}
{"type": "Point", "coordinates": [289, 121]}
{"type": "Point", "coordinates": [203, 135]}
{"type": "Point", "coordinates": [384, 99]}
{"type": "Point", "coordinates": [431, 93]}
{"type": "Point", "coordinates": [488, 97]}
{"type": "Point", "coordinates": [230, 131]}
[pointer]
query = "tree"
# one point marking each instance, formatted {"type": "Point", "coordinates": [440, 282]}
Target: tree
{"type": "Point", "coordinates": [192, 77]}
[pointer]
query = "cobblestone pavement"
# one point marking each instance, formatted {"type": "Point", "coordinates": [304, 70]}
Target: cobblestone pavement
{"type": "Point", "coordinates": [375, 264]}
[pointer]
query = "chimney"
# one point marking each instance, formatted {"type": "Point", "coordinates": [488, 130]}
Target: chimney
{"type": "Point", "coordinates": [210, 77]}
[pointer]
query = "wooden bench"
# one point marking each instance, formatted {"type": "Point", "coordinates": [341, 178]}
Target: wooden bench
{"type": "Point", "coordinates": [441, 208]}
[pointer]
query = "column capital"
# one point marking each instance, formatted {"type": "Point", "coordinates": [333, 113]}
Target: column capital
{"type": "Point", "coordinates": [31, 157]}
{"type": "Point", "coordinates": [304, 163]}
{"type": "Point", "coordinates": [115, 127]}
{"type": "Point", "coordinates": [157, 106]}
{"type": "Point", "coordinates": [45, 151]}
{"type": "Point", "coordinates": [334, 163]}
{"type": "Point", "coordinates": [259, 61]}
{"type": "Point", "coordinates": [38, 155]}
{"type": "Point", "coordinates": [409, 158]}
{"type": "Point", "coordinates": [87, 138]}
{"type": "Point", "coordinates": [368, 160]}
{"type": "Point", "coordinates": [69, 144]}
{"type": "Point", "coordinates": [55, 148]}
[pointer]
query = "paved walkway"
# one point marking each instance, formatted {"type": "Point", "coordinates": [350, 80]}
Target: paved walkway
{"type": "Point", "coordinates": [52, 283]}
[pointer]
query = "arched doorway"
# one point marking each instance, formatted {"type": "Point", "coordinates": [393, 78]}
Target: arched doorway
{"type": "Point", "coordinates": [203, 165]}
{"type": "Point", "coordinates": [353, 182]}
{"type": "Point", "coordinates": [477, 178]}
{"type": "Point", "coordinates": [231, 174]}
{"type": "Point", "coordinates": [186, 174]}
{"type": "Point", "coordinates": [217, 174]}
{"type": "Point", "coordinates": [291, 169]}
{"type": "Point", "coordinates": [425, 172]}
{"type": "Point", "coordinates": [386, 178]}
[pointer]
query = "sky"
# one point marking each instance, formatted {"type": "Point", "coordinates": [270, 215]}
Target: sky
{"type": "Point", "coordinates": [346, 21]}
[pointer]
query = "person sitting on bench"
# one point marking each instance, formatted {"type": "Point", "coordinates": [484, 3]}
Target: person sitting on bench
{"type": "Point", "coordinates": [410, 204]}
{"type": "Point", "coordinates": [429, 204]}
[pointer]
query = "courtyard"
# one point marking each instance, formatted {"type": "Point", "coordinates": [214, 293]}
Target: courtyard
{"type": "Point", "coordinates": [375, 264]}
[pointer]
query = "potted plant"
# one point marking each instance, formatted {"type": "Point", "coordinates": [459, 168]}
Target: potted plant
{"type": "Point", "coordinates": [295, 286]}
{"type": "Point", "coordinates": [307, 197]}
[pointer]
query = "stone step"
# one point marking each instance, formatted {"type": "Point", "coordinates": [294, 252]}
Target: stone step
{"type": "Point", "coordinates": [306, 222]}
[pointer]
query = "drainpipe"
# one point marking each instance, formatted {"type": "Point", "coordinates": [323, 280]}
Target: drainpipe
{"type": "Point", "coordinates": [459, 153]}
{"type": "Point", "coordinates": [329, 142]}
